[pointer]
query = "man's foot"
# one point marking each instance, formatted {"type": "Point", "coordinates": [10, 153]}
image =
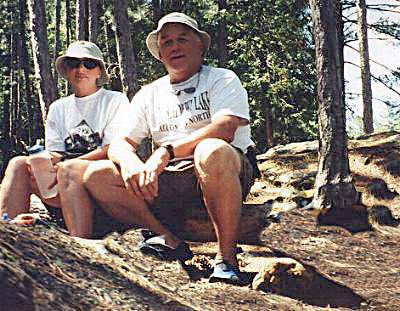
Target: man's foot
{"type": "Point", "coordinates": [157, 247]}
{"type": "Point", "coordinates": [224, 272]}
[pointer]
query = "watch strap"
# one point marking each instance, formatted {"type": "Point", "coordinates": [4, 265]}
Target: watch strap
{"type": "Point", "coordinates": [170, 150]}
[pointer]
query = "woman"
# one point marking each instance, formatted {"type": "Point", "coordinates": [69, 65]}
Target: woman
{"type": "Point", "coordinates": [78, 128]}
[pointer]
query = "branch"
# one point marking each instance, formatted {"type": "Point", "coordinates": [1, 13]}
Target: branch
{"type": "Point", "coordinates": [376, 78]}
{"type": "Point", "coordinates": [374, 98]}
{"type": "Point", "coordinates": [382, 65]}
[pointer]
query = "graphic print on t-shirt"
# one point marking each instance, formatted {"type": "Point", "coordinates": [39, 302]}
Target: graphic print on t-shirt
{"type": "Point", "coordinates": [82, 139]}
{"type": "Point", "coordinates": [186, 114]}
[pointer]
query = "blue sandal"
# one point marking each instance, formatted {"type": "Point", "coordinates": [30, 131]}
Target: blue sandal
{"type": "Point", "coordinates": [224, 272]}
{"type": "Point", "coordinates": [155, 246]}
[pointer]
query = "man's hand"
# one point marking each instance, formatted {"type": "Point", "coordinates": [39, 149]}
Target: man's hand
{"type": "Point", "coordinates": [154, 166]}
{"type": "Point", "coordinates": [130, 172]}
{"type": "Point", "coordinates": [143, 180]}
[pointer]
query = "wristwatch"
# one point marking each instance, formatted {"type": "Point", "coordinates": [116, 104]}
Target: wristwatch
{"type": "Point", "coordinates": [170, 150]}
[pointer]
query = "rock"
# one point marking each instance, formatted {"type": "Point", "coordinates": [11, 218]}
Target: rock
{"type": "Point", "coordinates": [283, 276]}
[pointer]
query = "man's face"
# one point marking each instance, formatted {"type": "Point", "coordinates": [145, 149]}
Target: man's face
{"type": "Point", "coordinates": [181, 50]}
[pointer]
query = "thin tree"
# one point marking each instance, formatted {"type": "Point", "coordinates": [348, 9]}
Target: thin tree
{"type": "Point", "coordinates": [222, 36]}
{"type": "Point", "coordinates": [67, 22]}
{"type": "Point", "coordinates": [126, 54]}
{"type": "Point", "coordinates": [57, 43]}
{"type": "Point", "coordinates": [157, 10]}
{"type": "Point", "coordinates": [81, 20]}
{"type": "Point", "coordinates": [335, 193]}
{"type": "Point", "coordinates": [93, 20]}
{"type": "Point", "coordinates": [362, 29]}
{"type": "Point", "coordinates": [45, 82]}
{"type": "Point", "coordinates": [31, 101]}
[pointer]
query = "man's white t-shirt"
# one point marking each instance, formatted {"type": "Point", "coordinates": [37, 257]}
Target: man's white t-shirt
{"type": "Point", "coordinates": [101, 113]}
{"type": "Point", "coordinates": [167, 113]}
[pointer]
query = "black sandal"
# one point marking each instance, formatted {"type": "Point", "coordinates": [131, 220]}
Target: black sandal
{"type": "Point", "coordinates": [155, 246]}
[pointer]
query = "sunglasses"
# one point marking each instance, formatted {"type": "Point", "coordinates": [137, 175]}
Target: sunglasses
{"type": "Point", "coordinates": [74, 63]}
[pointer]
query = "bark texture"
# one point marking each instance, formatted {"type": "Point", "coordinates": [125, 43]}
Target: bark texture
{"type": "Point", "coordinates": [81, 20]}
{"type": "Point", "coordinates": [333, 186]}
{"type": "Point", "coordinates": [45, 82]}
{"type": "Point", "coordinates": [222, 36]}
{"type": "Point", "coordinates": [126, 54]}
{"type": "Point", "coordinates": [362, 30]}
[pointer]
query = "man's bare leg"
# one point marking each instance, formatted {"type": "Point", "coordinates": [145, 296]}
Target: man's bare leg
{"type": "Point", "coordinates": [104, 182]}
{"type": "Point", "coordinates": [77, 206]}
{"type": "Point", "coordinates": [218, 168]}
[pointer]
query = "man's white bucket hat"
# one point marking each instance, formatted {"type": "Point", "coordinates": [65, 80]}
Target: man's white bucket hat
{"type": "Point", "coordinates": [83, 49]}
{"type": "Point", "coordinates": [180, 18]}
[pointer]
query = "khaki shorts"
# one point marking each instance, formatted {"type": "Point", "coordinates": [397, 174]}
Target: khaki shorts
{"type": "Point", "coordinates": [179, 189]}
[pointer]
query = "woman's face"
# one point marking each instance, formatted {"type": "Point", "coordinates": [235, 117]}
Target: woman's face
{"type": "Point", "coordinates": [82, 72]}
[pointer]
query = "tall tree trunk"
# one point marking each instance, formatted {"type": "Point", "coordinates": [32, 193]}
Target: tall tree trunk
{"type": "Point", "coordinates": [157, 10]}
{"type": "Point", "coordinates": [57, 43]}
{"type": "Point", "coordinates": [81, 20]}
{"type": "Point", "coordinates": [362, 30]}
{"type": "Point", "coordinates": [45, 82]}
{"type": "Point", "coordinates": [222, 36]}
{"type": "Point", "coordinates": [68, 22]}
{"type": "Point", "coordinates": [7, 145]}
{"type": "Point", "coordinates": [126, 54]}
{"type": "Point", "coordinates": [31, 100]}
{"type": "Point", "coordinates": [176, 5]}
{"type": "Point", "coordinates": [340, 35]}
{"type": "Point", "coordinates": [15, 103]}
{"type": "Point", "coordinates": [334, 191]}
{"type": "Point", "coordinates": [93, 20]}
{"type": "Point", "coordinates": [269, 130]}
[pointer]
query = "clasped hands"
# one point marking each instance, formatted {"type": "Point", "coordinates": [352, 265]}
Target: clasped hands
{"type": "Point", "coordinates": [142, 178]}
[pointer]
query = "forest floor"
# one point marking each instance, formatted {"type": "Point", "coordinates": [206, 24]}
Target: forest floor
{"type": "Point", "coordinates": [43, 269]}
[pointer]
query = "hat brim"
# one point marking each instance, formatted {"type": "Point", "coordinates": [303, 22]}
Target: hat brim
{"type": "Point", "coordinates": [62, 68]}
{"type": "Point", "coordinates": [151, 40]}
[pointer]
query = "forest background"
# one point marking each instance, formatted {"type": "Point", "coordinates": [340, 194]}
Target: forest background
{"type": "Point", "coordinates": [269, 44]}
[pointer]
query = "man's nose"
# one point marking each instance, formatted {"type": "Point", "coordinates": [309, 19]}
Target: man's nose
{"type": "Point", "coordinates": [175, 45]}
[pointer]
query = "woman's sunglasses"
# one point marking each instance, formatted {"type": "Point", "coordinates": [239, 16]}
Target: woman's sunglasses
{"type": "Point", "coordinates": [73, 63]}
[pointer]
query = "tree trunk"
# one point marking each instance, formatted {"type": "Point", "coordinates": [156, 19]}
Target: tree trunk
{"type": "Point", "coordinates": [67, 22]}
{"type": "Point", "coordinates": [45, 82]}
{"type": "Point", "coordinates": [340, 34]}
{"type": "Point", "coordinates": [125, 50]}
{"type": "Point", "coordinates": [269, 130]}
{"type": "Point", "coordinates": [362, 30]}
{"type": "Point", "coordinates": [176, 5]}
{"type": "Point", "coordinates": [335, 193]}
{"type": "Point", "coordinates": [6, 146]}
{"type": "Point", "coordinates": [93, 20]}
{"type": "Point", "coordinates": [15, 83]}
{"type": "Point", "coordinates": [57, 43]}
{"type": "Point", "coordinates": [222, 36]}
{"type": "Point", "coordinates": [81, 20]}
{"type": "Point", "coordinates": [31, 100]}
{"type": "Point", "coordinates": [157, 10]}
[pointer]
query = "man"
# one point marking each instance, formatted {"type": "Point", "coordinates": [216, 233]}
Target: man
{"type": "Point", "coordinates": [78, 126]}
{"type": "Point", "coordinates": [199, 118]}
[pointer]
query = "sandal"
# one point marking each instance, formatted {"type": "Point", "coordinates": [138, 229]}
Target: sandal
{"type": "Point", "coordinates": [224, 272]}
{"type": "Point", "coordinates": [147, 234]}
{"type": "Point", "coordinates": [156, 247]}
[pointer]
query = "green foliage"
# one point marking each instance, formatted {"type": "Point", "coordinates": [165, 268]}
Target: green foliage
{"type": "Point", "coordinates": [269, 47]}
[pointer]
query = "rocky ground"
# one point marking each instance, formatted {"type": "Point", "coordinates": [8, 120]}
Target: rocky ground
{"type": "Point", "coordinates": [310, 267]}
